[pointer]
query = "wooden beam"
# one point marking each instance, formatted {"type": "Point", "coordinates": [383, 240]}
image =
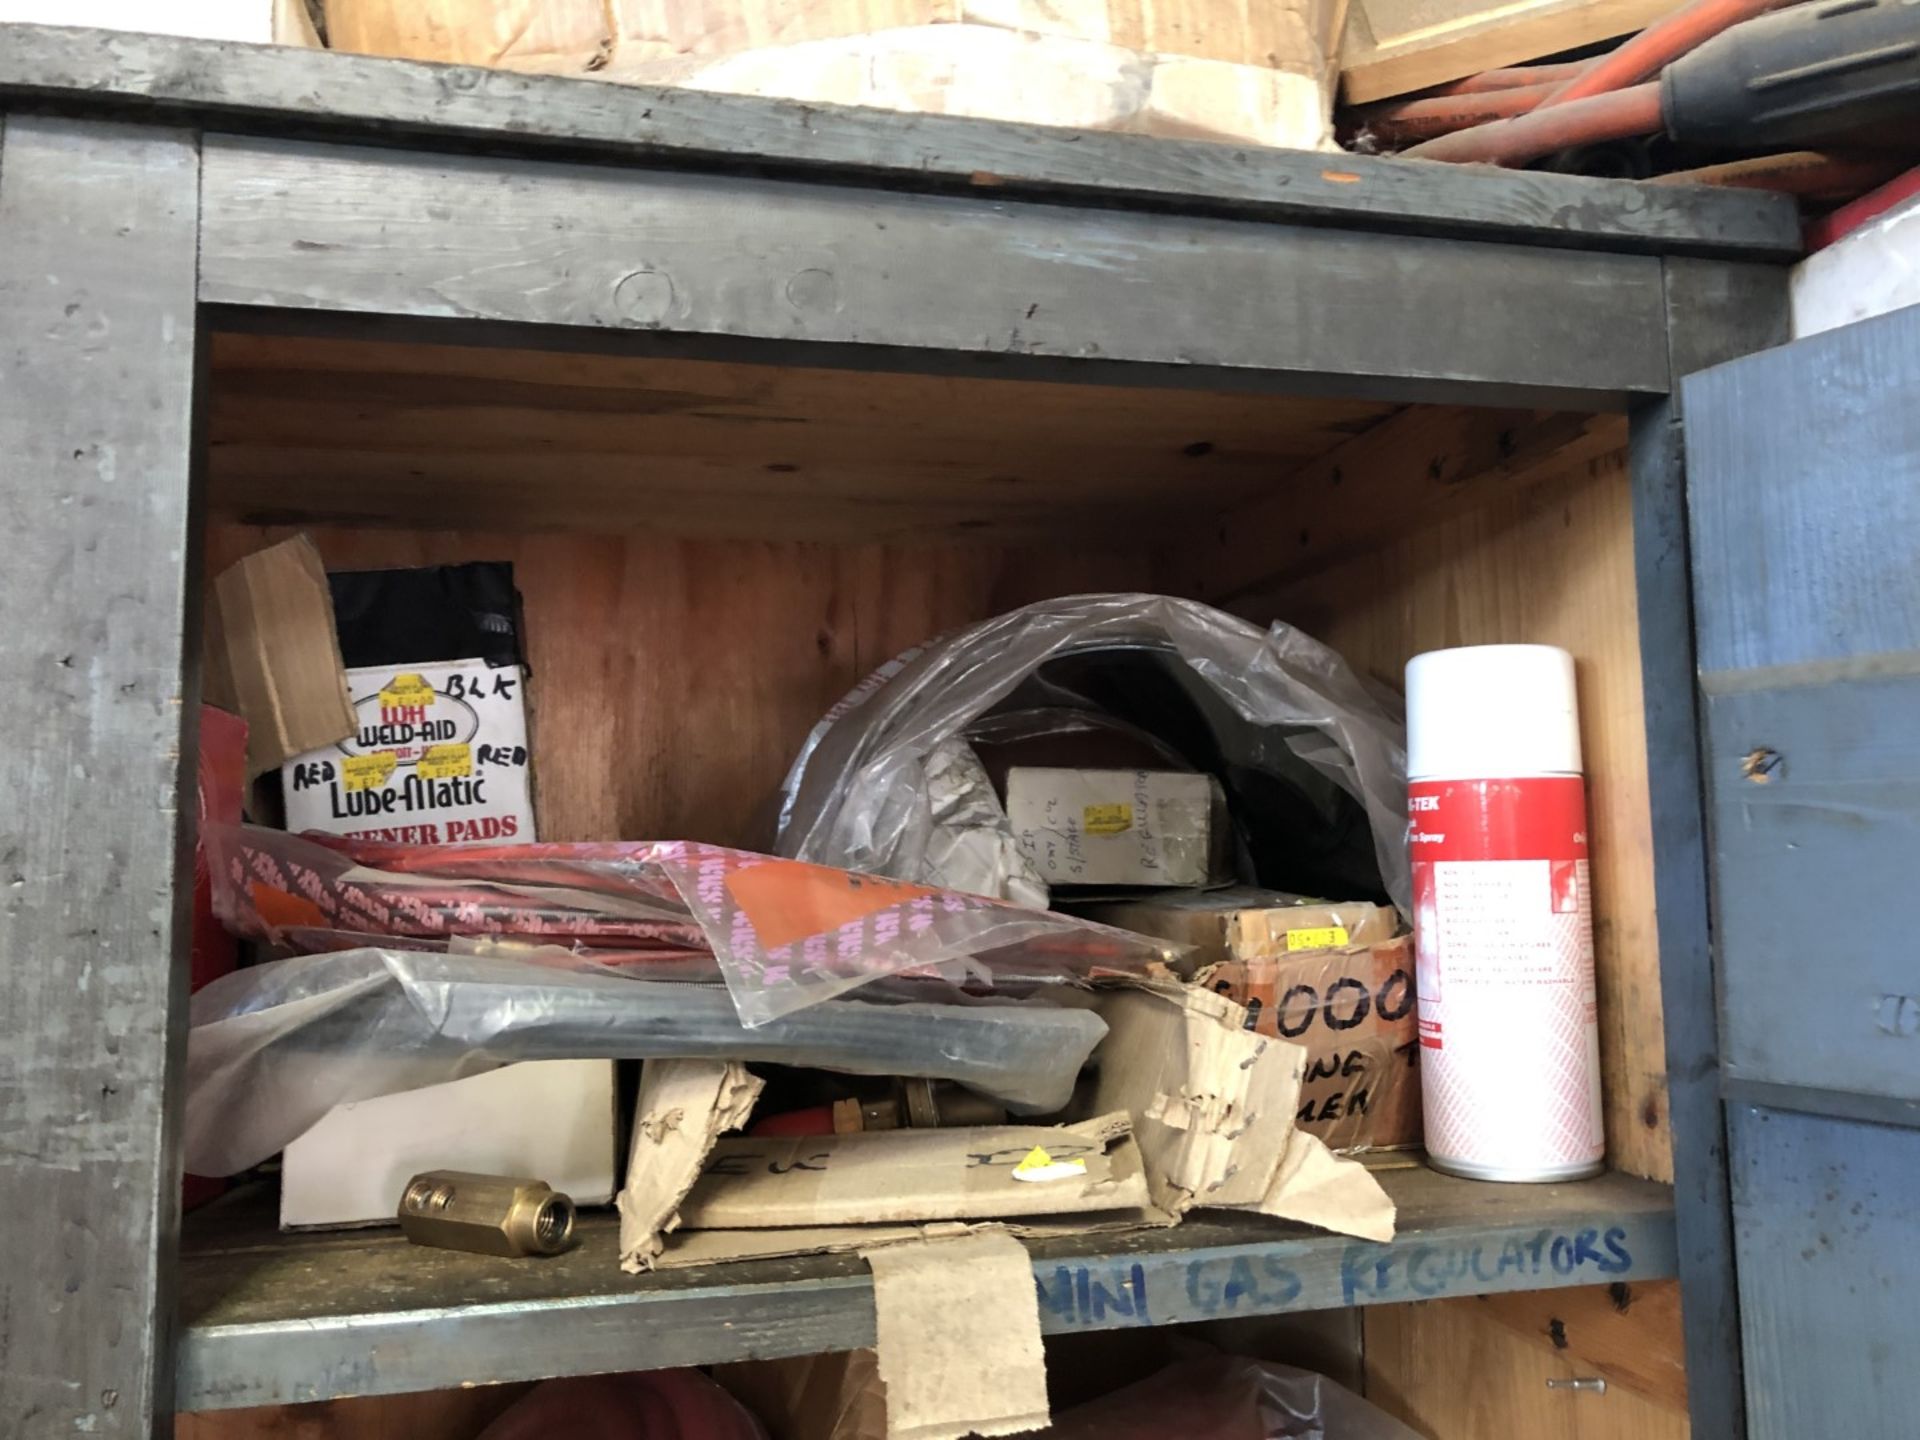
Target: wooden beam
{"type": "Point", "coordinates": [99, 701]}
{"type": "Point", "coordinates": [1406, 472]}
{"type": "Point", "coordinates": [1394, 47]}
{"type": "Point", "coordinates": [928, 281]}
{"type": "Point", "coordinates": [282, 90]}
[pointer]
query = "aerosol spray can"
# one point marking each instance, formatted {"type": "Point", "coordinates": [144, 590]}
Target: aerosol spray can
{"type": "Point", "coordinates": [1503, 917]}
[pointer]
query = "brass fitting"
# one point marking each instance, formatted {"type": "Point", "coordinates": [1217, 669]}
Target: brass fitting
{"type": "Point", "coordinates": [488, 1214]}
{"type": "Point", "coordinates": [916, 1104]}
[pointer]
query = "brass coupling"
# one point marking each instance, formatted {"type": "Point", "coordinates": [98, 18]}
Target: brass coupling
{"type": "Point", "coordinates": [487, 1214]}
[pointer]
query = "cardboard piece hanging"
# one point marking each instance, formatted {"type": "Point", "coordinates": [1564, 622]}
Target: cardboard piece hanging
{"type": "Point", "coordinates": [437, 753]}
{"type": "Point", "coordinates": [273, 656]}
{"type": "Point", "coordinates": [1117, 827]}
{"type": "Point", "coordinates": [957, 1332]}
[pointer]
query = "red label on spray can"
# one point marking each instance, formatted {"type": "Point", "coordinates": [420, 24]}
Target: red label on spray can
{"type": "Point", "coordinates": [1503, 925]}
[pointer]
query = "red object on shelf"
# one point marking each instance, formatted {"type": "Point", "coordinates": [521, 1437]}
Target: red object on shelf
{"type": "Point", "coordinates": [1855, 213]}
{"type": "Point", "coordinates": [221, 786]}
{"type": "Point", "coordinates": [814, 1120]}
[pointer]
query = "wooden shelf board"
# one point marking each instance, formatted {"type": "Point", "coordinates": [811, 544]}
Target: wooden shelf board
{"type": "Point", "coordinates": [274, 1319]}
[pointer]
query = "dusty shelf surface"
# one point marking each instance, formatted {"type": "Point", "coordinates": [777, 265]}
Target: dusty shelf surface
{"type": "Point", "coordinates": [270, 1318]}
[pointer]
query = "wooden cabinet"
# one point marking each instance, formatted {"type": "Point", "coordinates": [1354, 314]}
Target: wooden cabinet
{"type": "Point", "coordinates": [754, 396]}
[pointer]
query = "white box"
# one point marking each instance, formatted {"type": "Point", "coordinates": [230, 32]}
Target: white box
{"type": "Point", "coordinates": [551, 1120]}
{"type": "Point", "coordinates": [439, 757]}
{"type": "Point", "coordinates": [1113, 827]}
{"type": "Point", "coordinates": [260, 22]}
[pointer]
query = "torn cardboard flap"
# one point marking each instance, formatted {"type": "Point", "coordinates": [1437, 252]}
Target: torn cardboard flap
{"type": "Point", "coordinates": [273, 656]}
{"type": "Point", "coordinates": [967, 1173]}
{"type": "Point", "coordinates": [1317, 1187]}
{"type": "Point", "coordinates": [957, 1322]}
{"type": "Point", "coordinates": [681, 1110]}
{"type": "Point", "coordinates": [1214, 1105]}
{"type": "Point", "coordinates": [1213, 1102]}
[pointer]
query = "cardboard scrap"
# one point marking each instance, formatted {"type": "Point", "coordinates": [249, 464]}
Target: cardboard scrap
{"type": "Point", "coordinates": [967, 1173]}
{"type": "Point", "coordinates": [958, 1328]}
{"type": "Point", "coordinates": [273, 656]}
{"type": "Point", "coordinates": [687, 1248]}
{"type": "Point", "coordinates": [1214, 1107]}
{"type": "Point", "coordinates": [1317, 1187]}
{"type": "Point", "coordinates": [1213, 1102]}
{"type": "Point", "coordinates": [682, 1108]}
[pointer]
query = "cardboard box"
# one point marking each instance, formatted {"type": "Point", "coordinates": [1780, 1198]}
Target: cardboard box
{"type": "Point", "coordinates": [1116, 827]}
{"type": "Point", "coordinates": [1353, 1008]}
{"type": "Point", "coordinates": [273, 657]}
{"type": "Point", "coordinates": [1231, 923]}
{"type": "Point", "coordinates": [974, 1172]}
{"type": "Point", "coordinates": [1331, 976]}
{"type": "Point", "coordinates": [438, 754]}
{"type": "Point", "coordinates": [260, 22]}
{"type": "Point", "coordinates": [551, 1120]}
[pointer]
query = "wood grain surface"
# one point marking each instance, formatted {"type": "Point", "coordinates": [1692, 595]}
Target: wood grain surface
{"type": "Point", "coordinates": [528, 439]}
{"type": "Point", "coordinates": [1453, 1371]}
{"type": "Point", "coordinates": [1551, 566]}
{"type": "Point", "coordinates": [673, 681]}
{"type": "Point", "coordinates": [281, 90]}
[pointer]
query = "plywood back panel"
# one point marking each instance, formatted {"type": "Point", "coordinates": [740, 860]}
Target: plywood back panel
{"type": "Point", "coordinates": [1553, 565]}
{"type": "Point", "coordinates": [1454, 1370]}
{"type": "Point", "coordinates": [361, 431]}
{"type": "Point", "coordinates": [673, 681]}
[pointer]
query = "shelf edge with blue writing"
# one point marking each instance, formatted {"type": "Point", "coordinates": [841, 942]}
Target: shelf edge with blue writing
{"type": "Point", "coordinates": [276, 1319]}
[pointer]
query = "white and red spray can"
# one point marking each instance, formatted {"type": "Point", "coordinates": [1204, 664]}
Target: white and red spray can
{"type": "Point", "coordinates": [1503, 914]}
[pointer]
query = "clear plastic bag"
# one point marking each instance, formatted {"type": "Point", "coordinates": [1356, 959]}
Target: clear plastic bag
{"type": "Point", "coordinates": [857, 794]}
{"type": "Point", "coordinates": [274, 1047]}
{"type": "Point", "coordinates": [784, 934]}
{"type": "Point", "coordinates": [1227, 1397]}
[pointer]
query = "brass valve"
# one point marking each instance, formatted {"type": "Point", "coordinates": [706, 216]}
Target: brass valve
{"type": "Point", "coordinates": [488, 1214]}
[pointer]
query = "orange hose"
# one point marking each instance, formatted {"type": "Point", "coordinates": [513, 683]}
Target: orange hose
{"type": "Point", "coordinates": [1649, 52]}
{"type": "Point", "coordinates": [1810, 174]}
{"type": "Point", "coordinates": [1514, 77]}
{"type": "Point", "coordinates": [1616, 116]}
{"type": "Point", "coordinates": [1405, 121]}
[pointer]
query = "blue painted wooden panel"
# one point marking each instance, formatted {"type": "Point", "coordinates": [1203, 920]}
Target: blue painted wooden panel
{"type": "Point", "coordinates": [1815, 802]}
{"type": "Point", "coordinates": [1826, 1220]}
{"type": "Point", "coordinates": [1803, 475]}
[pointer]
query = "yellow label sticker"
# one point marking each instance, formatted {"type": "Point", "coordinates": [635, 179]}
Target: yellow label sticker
{"type": "Point", "coordinates": [365, 772]}
{"type": "Point", "coordinates": [1107, 819]}
{"type": "Point", "coordinates": [409, 689]}
{"type": "Point", "coordinates": [1039, 1165]}
{"type": "Point", "coordinates": [1319, 938]}
{"type": "Point", "coordinates": [449, 761]}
